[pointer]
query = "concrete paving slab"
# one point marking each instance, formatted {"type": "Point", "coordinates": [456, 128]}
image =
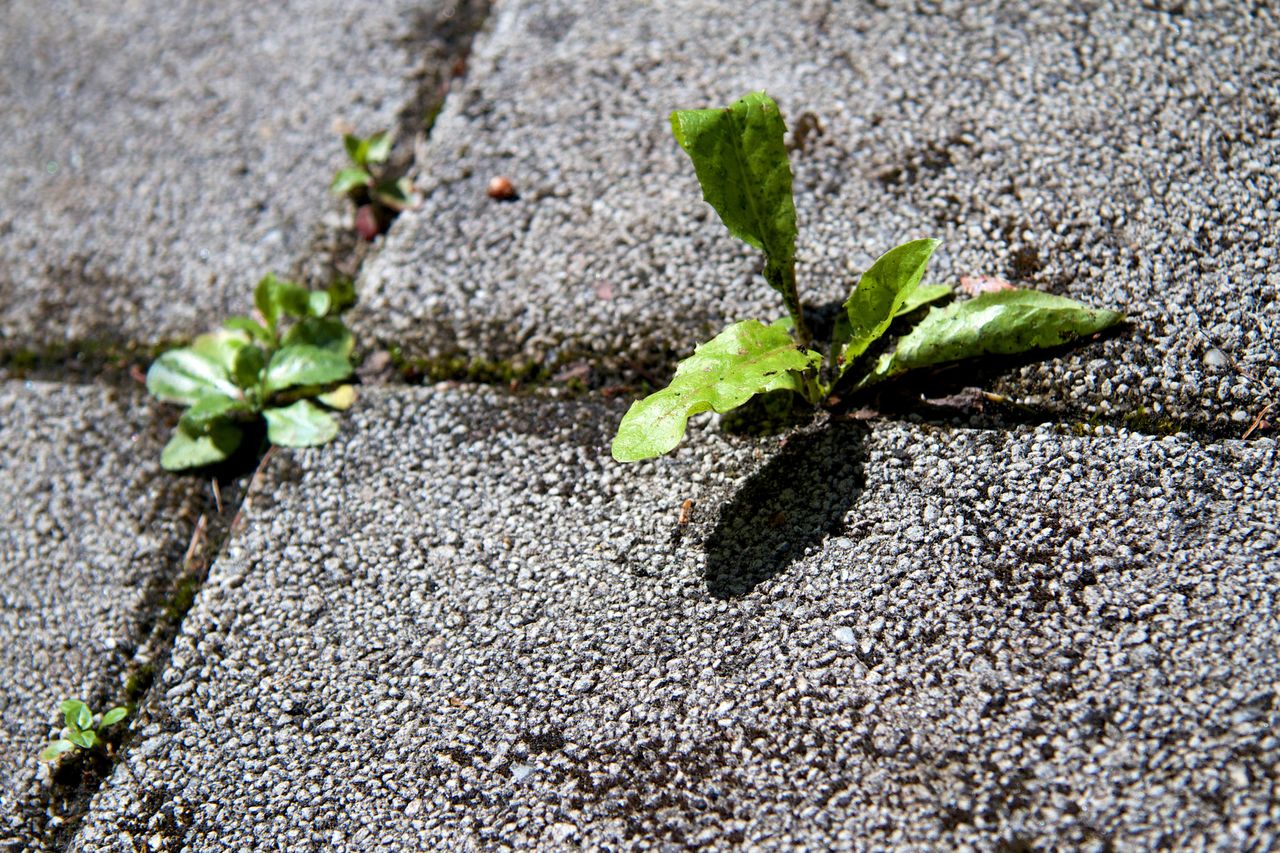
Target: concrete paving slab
{"type": "Point", "coordinates": [161, 156]}
{"type": "Point", "coordinates": [92, 534]}
{"type": "Point", "coordinates": [462, 626]}
{"type": "Point", "coordinates": [1122, 154]}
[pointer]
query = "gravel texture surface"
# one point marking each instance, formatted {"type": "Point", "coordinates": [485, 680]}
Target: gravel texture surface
{"type": "Point", "coordinates": [1127, 155]}
{"type": "Point", "coordinates": [161, 156]}
{"type": "Point", "coordinates": [90, 532]}
{"type": "Point", "coordinates": [464, 626]}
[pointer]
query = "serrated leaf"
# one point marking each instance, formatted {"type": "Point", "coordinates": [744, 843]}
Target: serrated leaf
{"type": "Point", "coordinates": [378, 147]}
{"type": "Point", "coordinates": [56, 748]}
{"type": "Point", "coordinates": [184, 376]}
{"type": "Point", "coordinates": [274, 297]}
{"type": "Point", "coordinates": [746, 359]}
{"type": "Point", "coordinates": [922, 296]}
{"type": "Point", "coordinates": [341, 398]}
{"type": "Point", "coordinates": [304, 364]}
{"type": "Point", "coordinates": [185, 450]}
{"type": "Point", "coordinates": [302, 424]}
{"type": "Point", "coordinates": [250, 326]}
{"type": "Point", "coordinates": [741, 163]}
{"type": "Point", "coordinates": [115, 715]}
{"type": "Point", "coordinates": [881, 291]}
{"type": "Point", "coordinates": [1002, 323]}
{"type": "Point", "coordinates": [328, 333]}
{"type": "Point", "coordinates": [246, 370]}
{"type": "Point", "coordinates": [75, 714]}
{"type": "Point", "coordinates": [347, 180]}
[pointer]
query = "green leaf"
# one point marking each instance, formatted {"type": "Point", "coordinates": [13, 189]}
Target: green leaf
{"type": "Point", "coordinates": [319, 302]}
{"type": "Point", "coordinates": [357, 148]}
{"type": "Point", "coordinates": [207, 412]}
{"type": "Point", "coordinates": [274, 296]}
{"type": "Point", "coordinates": [113, 716]}
{"type": "Point", "coordinates": [76, 714]}
{"type": "Point", "coordinates": [86, 739]}
{"type": "Point", "coordinates": [348, 180]}
{"type": "Point", "coordinates": [250, 326]}
{"type": "Point", "coordinates": [342, 294]}
{"type": "Point", "coordinates": [1002, 323]}
{"type": "Point", "coordinates": [393, 194]}
{"type": "Point", "coordinates": [184, 376]}
{"type": "Point", "coordinates": [922, 296]}
{"type": "Point", "coordinates": [328, 333]}
{"type": "Point", "coordinates": [880, 293]}
{"type": "Point", "coordinates": [246, 370]}
{"type": "Point", "coordinates": [221, 347]}
{"type": "Point", "coordinates": [745, 359]}
{"type": "Point", "coordinates": [304, 364]}
{"type": "Point", "coordinates": [378, 147]}
{"type": "Point", "coordinates": [341, 398]}
{"type": "Point", "coordinates": [56, 748]}
{"type": "Point", "coordinates": [300, 425]}
{"type": "Point", "coordinates": [185, 450]}
{"type": "Point", "coordinates": [741, 162]}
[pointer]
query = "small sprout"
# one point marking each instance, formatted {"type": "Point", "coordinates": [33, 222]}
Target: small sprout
{"type": "Point", "coordinates": [501, 189]}
{"type": "Point", "coordinates": [741, 161]}
{"type": "Point", "coordinates": [378, 198]}
{"type": "Point", "coordinates": [83, 729]}
{"type": "Point", "coordinates": [295, 348]}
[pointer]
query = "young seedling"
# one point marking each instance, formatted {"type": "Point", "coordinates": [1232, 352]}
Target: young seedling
{"type": "Point", "coordinates": [377, 198]}
{"type": "Point", "coordinates": [83, 729]}
{"type": "Point", "coordinates": [741, 163]}
{"type": "Point", "coordinates": [260, 366]}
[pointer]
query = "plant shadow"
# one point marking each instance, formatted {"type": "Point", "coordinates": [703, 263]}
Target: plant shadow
{"type": "Point", "coordinates": [793, 502]}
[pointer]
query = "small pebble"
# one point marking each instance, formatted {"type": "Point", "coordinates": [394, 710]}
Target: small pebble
{"type": "Point", "coordinates": [502, 189]}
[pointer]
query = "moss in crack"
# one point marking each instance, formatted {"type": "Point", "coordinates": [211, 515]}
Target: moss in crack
{"type": "Point", "coordinates": [1151, 424]}
{"type": "Point", "coordinates": [106, 361]}
{"type": "Point", "coordinates": [54, 815]}
{"type": "Point", "coordinates": [462, 368]}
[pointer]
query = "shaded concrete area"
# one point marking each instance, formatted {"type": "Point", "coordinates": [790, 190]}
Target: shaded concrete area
{"type": "Point", "coordinates": [161, 157]}
{"type": "Point", "coordinates": [1121, 154]}
{"type": "Point", "coordinates": [92, 534]}
{"type": "Point", "coordinates": [464, 625]}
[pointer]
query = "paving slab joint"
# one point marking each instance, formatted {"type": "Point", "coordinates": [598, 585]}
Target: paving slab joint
{"type": "Point", "coordinates": [56, 811]}
{"type": "Point", "coordinates": [440, 39]}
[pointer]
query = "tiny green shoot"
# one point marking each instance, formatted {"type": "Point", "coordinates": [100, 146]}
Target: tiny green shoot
{"type": "Point", "coordinates": [376, 196]}
{"type": "Point", "coordinates": [83, 729]}
{"type": "Point", "coordinates": [741, 162]}
{"type": "Point", "coordinates": [293, 353]}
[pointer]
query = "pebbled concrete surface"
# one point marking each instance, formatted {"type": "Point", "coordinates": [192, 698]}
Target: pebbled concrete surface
{"type": "Point", "coordinates": [91, 533]}
{"type": "Point", "coordinates": [1122, 154]}
{"type": "Point", "coordinates": [463, 626]}
{"type": "Point", "coordinates": [161, 157]}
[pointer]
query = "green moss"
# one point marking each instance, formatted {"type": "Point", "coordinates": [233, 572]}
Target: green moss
{"type": "Point", "coordinates": [462, 368]}
{"type": "Point", "coordinates": [90, 358]}
{"type": "Point", "coordinates": [1142, 421]}
{"type": "Point", "coordinates": [184, 594]}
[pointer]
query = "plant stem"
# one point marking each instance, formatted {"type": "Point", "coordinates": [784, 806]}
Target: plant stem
{"type": "Point", "coordinates": [783, 280]}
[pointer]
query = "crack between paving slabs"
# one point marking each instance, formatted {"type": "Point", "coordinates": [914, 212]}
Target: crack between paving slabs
{"type": "Point", "coordinates": [441, 43]}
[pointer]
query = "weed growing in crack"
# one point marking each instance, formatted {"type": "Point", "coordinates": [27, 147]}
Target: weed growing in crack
{"type": "Point", "coordinates": [83, 729]}
{"type": "Point", "coordinates": [260, 366]}
{"type": "Point", "coordinates": [378, 199]}
{"type": "Point", "coordinates": [741, 163]}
